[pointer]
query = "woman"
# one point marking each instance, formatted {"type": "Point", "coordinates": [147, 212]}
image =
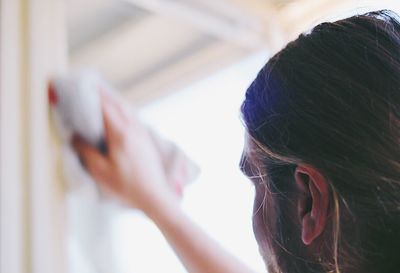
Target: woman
{"type": "Point", "coordinates": [323, 150]}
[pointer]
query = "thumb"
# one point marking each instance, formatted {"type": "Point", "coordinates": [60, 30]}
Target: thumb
{"type": "Point", "coordinates": [96, 164]}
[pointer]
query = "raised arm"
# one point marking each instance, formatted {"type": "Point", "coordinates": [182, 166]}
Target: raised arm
{"type": "Point", "coordinates": [132, 171]}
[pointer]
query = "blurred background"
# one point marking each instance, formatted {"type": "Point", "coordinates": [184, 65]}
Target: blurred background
{"type": "Point", "coordinates": [186, 65]}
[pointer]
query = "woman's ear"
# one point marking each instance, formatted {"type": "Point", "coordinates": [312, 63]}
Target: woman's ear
{"type": "Point", "coordinates": [313, 203]}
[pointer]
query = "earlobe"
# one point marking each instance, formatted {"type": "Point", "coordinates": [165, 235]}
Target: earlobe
{"type": "Point", "coordinates": [313, 202]}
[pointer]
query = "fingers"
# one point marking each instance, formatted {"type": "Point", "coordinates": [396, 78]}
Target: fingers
{"type": "Point", "coordinates": [113, 118]}
{"type": "Point", "coordinates": [96, 164]}
{"type": "Point", "coordinates": [117, 104]}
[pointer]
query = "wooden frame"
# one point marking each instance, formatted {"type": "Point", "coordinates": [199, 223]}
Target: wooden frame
{"type": "Point", "coordinates": [32, 47]}
{"type": "Point", "coordinates": [13, 239]}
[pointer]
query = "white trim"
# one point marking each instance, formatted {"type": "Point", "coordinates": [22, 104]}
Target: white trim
{"type": "Point", "coordinates": [47, 55]}
{"type": "Point", "coordinates": [12, 236]}
{"type": "Point", "coordinates": [32, 47]}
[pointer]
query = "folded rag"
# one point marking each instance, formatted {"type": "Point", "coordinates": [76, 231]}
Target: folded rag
{"type": "Point", "coordinates": [76, 109]}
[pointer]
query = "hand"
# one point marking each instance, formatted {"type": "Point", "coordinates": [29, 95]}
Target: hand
{"type": "Point", "coordinates": [131, 169]}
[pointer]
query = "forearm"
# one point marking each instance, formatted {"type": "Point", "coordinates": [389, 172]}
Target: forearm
{"type": "Point", "coordinates": [197, 251]}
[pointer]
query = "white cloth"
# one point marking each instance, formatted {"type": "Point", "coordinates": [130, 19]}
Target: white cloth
{"type": "Point", "coordinates": [76, 109]}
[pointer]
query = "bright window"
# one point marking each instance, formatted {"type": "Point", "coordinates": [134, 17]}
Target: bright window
{"type": "Point", "coordinates": [203, 119]}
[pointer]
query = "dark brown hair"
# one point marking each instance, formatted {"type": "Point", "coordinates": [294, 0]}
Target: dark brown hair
{"type": "Point", "coordinates": [330, 99]}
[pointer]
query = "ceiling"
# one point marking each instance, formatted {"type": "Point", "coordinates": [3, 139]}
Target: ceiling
{"type": "Point", "coordinates": [148, 48]}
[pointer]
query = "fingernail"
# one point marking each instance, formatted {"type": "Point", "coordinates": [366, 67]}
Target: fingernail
{"type": "Point", "coordinates": [52, 94]}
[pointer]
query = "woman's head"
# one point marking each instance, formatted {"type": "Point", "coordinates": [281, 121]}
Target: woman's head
{"type": "Point", "coordinates": [323, 149]}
